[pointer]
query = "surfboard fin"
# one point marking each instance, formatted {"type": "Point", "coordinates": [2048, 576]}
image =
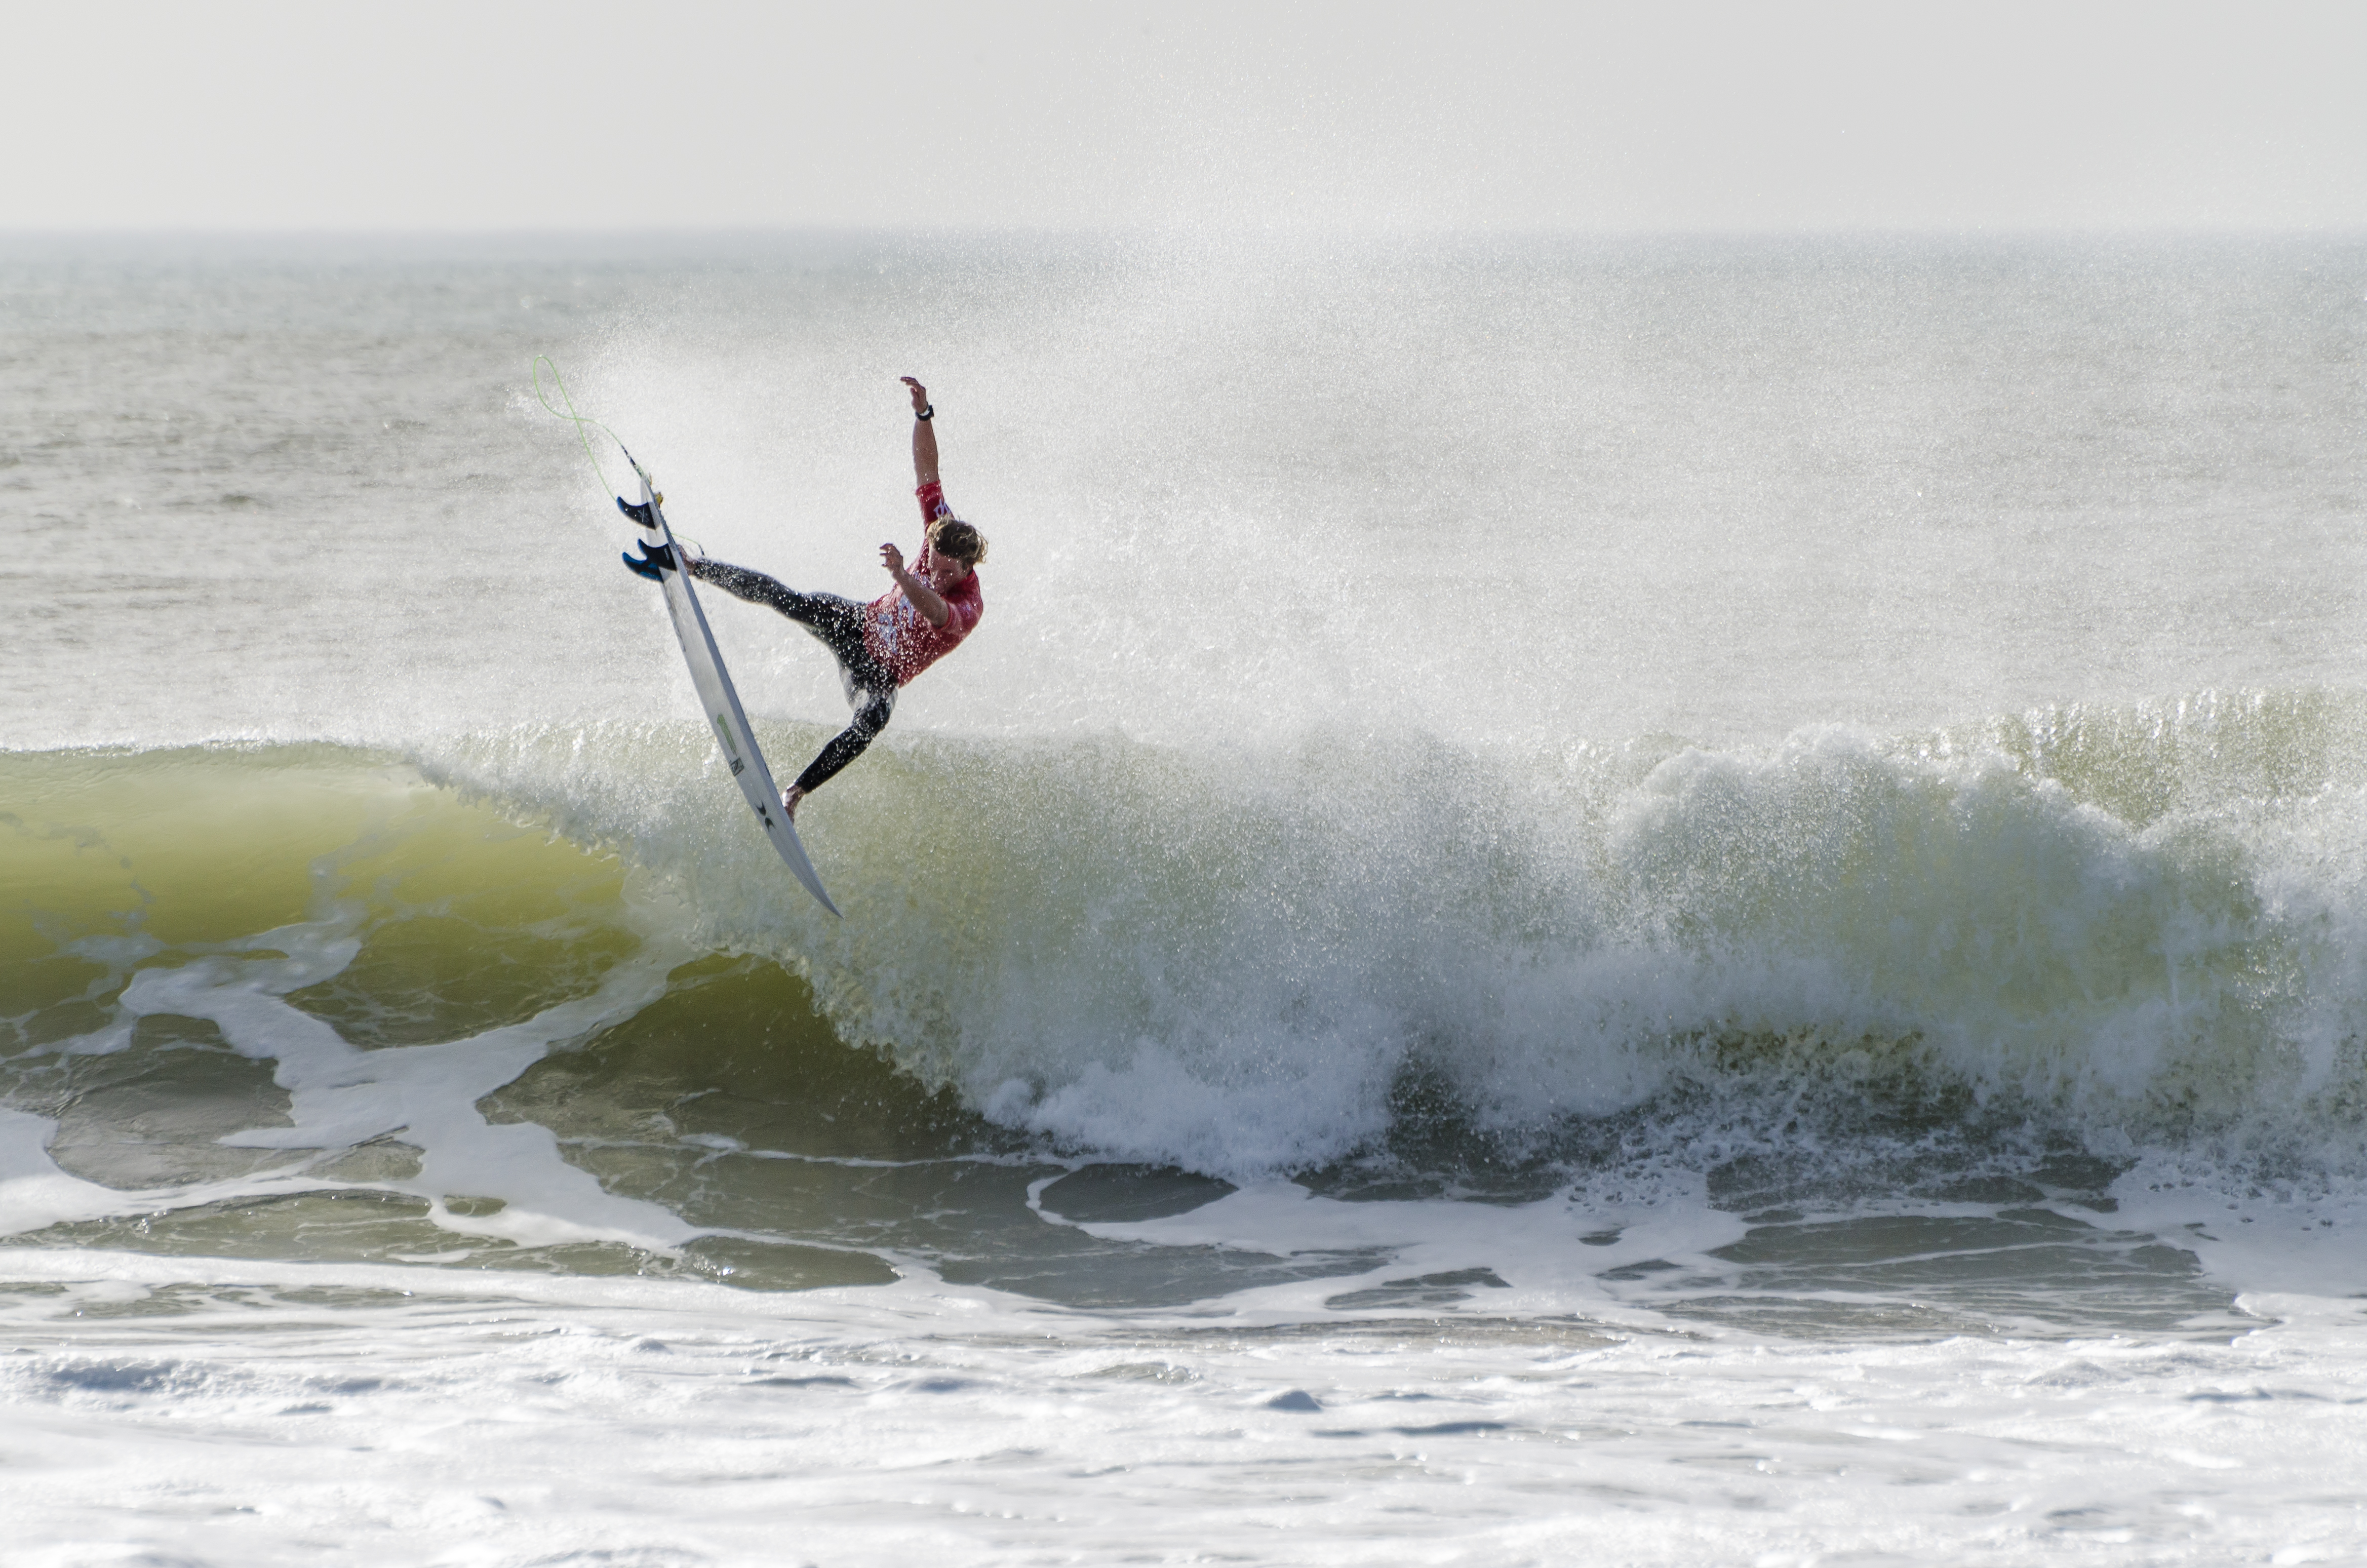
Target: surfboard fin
{"type": "Point", "coordinates": [639, 511]}
{"type": "Point", "coordinates": [653, 564]}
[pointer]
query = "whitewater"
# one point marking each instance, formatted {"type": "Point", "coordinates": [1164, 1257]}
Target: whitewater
{"type": "Point", "coordinates": [1671, 902]}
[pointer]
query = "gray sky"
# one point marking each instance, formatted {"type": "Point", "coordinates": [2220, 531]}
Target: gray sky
{"type": "Point", "coordinates": [246, 114]}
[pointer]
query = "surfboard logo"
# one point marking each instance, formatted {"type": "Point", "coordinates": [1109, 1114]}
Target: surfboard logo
{"type": "Point", "coordinates": [731, 752]}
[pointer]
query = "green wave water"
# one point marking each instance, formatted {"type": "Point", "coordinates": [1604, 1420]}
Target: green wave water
{"type": "Point", "coordinates": [2021, 959]}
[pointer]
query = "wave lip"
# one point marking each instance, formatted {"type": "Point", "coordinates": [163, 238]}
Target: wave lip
{"type": "Point", "coordinates": [2142, 923]}
{"type": "Point", "coordinates": [1835, 976]}
{"type": "Point", "coordinates": [2130, 926]}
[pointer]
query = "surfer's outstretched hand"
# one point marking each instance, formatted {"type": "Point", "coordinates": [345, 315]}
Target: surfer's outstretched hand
{"type": "Point", "coordinates": [924, 434]}
{"type": "Point", "coordinates": [893, 559]}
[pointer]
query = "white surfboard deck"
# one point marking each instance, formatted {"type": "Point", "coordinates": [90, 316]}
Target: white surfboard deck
{"type": "Point", "coordinates": [724, 715]}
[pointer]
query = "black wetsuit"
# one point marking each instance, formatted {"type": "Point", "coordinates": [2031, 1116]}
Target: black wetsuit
{"type": "Point", "coordinates": [838, 622]}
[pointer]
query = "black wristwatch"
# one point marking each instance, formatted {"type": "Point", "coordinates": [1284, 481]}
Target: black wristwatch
{"type": "Point", "coordinates": [928, 411]}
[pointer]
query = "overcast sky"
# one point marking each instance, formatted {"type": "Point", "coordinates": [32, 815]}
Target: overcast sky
{"type": "Point", "coordinates": [253, 114]}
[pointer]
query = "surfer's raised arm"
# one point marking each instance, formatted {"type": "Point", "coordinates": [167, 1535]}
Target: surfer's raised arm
{"type": "Point", "coordinates": [924, 434]}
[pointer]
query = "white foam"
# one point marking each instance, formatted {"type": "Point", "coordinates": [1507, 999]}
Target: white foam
{"type": "Point", "coordinates": [2296, 1239]}
{"type": "Point", "coordinates": [1227, 961]}
{"type": "Point", "coordinates": [504, 1420]}
{"type": "Point", "coordinates": [33, 1191]}
{"type": "Point", "coordinates": [1557, 1271]}
{"type": "Point", "coordinates": [340, 1096]}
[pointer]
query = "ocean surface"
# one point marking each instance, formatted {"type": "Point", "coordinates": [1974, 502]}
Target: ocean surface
{"type": "Point", "coordinates": [1658, 903]}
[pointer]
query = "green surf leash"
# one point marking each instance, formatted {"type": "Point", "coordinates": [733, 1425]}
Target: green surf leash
{"type": "Point", "coordinates": [540, 362]}
{"type": "Point", "coordinates": [578, 420]}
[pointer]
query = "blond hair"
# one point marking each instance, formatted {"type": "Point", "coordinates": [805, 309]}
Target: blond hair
{"type": "Point", "coordinates": [951, 535]}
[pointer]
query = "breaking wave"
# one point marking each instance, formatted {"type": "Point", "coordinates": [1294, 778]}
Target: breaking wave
{"type": "Point", "coordinates": [2138, 925]}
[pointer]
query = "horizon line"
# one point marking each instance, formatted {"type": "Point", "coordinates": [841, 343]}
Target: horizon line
{"type": "Point", "coordinates": [1171, 232]}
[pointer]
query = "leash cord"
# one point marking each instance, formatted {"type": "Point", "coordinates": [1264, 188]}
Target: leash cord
{"type": "Point", "coordinates": [580, 421]}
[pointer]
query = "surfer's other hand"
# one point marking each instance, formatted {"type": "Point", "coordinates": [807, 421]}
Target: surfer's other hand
{"type": "Point", "coordinates": [893, 559]}
{"type": "Point", "coordinates": [790, 798]}
{"type": "Point", "coordinates": [919, 393]}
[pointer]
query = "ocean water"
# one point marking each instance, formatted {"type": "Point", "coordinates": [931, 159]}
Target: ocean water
{"type": "Point", "coordinates": [1651, 903]}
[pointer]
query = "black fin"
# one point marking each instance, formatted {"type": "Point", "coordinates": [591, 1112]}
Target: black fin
{"type": "Point", "coordinates": [654, 563]}
{"type": "Point", "coordinates": [640, 512]}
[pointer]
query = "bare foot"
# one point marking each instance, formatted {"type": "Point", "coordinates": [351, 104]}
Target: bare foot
{"type": "Point", "coordinates": [790, 798]}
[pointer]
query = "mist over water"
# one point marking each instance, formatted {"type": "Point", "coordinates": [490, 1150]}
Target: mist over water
{"type": "Point", "coordinates": [1535, 494]}
{"type": "Point", "coordinates": [1787, 792]}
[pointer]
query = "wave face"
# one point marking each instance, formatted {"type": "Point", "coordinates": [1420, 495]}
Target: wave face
{"type": "Point", "coordinates": [2141, 923]}
{"type": "Point", "coordinates": [2127, 928]}
{"type": "Point", "coordinates": [1480, 720]}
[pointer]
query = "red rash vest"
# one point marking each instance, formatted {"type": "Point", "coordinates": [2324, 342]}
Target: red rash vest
{"type": "Point", "coordinates": [900, 637]}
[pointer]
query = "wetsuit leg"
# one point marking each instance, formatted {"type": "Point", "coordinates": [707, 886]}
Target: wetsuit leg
{"type": "Point", "coordinates": [837, 622]}
{"type": "Point", "coordinates": [848, 743]}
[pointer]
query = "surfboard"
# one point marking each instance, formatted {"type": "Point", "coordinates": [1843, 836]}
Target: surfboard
{"type": "Point", "coordinates": [716, 695]}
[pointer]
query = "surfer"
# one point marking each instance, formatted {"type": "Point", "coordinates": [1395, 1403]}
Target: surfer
{"type": "Point", "coordinates": [879, 646]}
